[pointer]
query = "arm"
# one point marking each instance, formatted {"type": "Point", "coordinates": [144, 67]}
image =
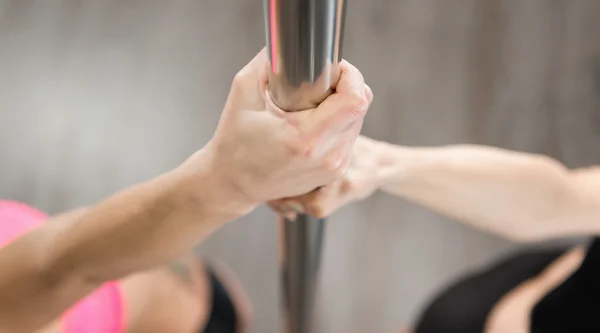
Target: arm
{"type": "Point", "coordinates": [72, 254]}
{"type": "Point", "coordinates": [258, 153]}
{"type": "Point", "coordinates": [517, 195]}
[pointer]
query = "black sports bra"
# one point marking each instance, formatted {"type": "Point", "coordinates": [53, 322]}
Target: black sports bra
{"type": "Point", "coordinates": [223, 317]}
{"type": "Point", "coordinates": [465, 305]}
{"type": "Point", "coordinates": [574, 305]}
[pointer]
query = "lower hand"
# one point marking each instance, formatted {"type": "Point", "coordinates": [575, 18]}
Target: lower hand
{"type": "Point", "coordinates": [360, 181]}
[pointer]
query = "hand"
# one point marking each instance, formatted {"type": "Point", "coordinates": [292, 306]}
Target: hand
{"type": "Point", "coordinates": [361, 180]}
{"type": "Point", "coordinates": [264, 153]}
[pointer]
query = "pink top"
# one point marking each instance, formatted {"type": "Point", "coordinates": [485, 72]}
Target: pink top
{"type": "Point", "coordinates": [100, 312]}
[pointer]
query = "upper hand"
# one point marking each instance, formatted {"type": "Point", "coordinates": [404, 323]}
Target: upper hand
{"type": "Point", "coordinates": [265, 153]}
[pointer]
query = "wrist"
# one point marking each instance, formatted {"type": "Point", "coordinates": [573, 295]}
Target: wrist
{"type": "Point", "coordinates": [204, 182]}
{"type": "Point", "coordinates": [385, 159]}
{"type": "Point", "coordinates": [393, 164]}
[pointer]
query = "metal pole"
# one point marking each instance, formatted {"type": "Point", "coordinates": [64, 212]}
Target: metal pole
{"type": "Point", "coordinates": [304, 42]}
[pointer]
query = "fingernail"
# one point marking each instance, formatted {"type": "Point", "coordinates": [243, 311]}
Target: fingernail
{"type": "Point", "coordinates": [296, 207]}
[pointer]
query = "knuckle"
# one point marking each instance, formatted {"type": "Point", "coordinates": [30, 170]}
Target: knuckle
{"type": "Point", "coordinates": [297, 148]}
{"type": "Point", "coordinates": [308, 150]}
{"type": "Point", "coordinates": [338, 173]}
{"type": "Point", "coordinates": [346, 66]}
{"type": "Point", "coordinates": [292, 143]}
{"type": "Point", "coordinates": [297, 145]}
{"type": "Point", "coordinates": [333, 168]}
{"type": "Point", "coordinates": [357, 106]}
{"type": "Point", "coordinates": [238, 80]}
{"type": "Point", "coordinates": [317, 210]}
{"type": "Point", "coordinates": [331, 165]}
{"type": "Point", "coordinates": [360, 104]}
{"type": "Point", "coordinates": [347, 186]}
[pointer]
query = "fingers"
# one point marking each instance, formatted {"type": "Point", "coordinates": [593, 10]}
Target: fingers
{"type": "Point", "coordinates": [332, 129]}
{"type": "Point", "coordinates": [280, 208]}
{"type": "Point", "coordinates": [351, 80]}
{"type": "Point", "coordinates": [339, 159]}
{"type": "Point", "coordinates": [319, 203]}
{"type": "Point", "coordinates": [338, 127]}
{"type": "Point", "coordinates": [328, 132]}
{"type": "Point", "coordinates": [349, 103]}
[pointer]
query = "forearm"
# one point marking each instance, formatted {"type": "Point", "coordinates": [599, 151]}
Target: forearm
{"type": "Point", "coordinates": [517, 195]}
{"type": "Point", "coordinates": [147, 225]}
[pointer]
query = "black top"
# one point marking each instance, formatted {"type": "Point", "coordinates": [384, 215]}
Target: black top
{"type": "Point", "coordinates": [223, 317]}
{"type": "Point", "coordinates": [464, 306]}
{"type": "Point", "coordinates": [574, 306]}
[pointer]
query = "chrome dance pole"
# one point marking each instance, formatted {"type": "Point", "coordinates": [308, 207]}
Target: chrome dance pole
{"type": "Point", "coordinates": [304, 42]}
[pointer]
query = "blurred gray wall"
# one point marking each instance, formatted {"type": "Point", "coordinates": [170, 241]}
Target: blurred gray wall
{"type": "Point", "coordinates": [98, 95]}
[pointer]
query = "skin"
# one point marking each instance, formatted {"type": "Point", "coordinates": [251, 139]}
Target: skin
{"type": "Point", "coordinates": [182, 302]}
{"type": "Point", "coordinates": [175, 298]}
{"type": "Point", "coordinates": [258, 153]}
{"type": "Point", "coordinates": [523, 197]}
{"type": "Point", "coordinates": [512, 312]}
